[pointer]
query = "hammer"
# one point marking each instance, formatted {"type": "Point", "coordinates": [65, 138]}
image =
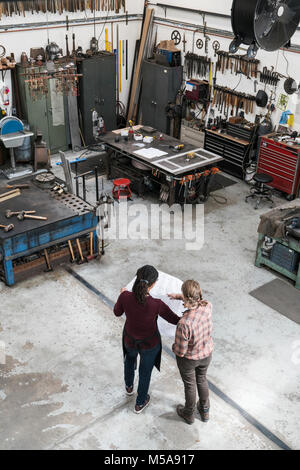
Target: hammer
{"type": "Point", "coordinates": [18, 186]}
{"type": "Point", "coordinates": [92, 255]}
{"type": "Point", "coordinates": [9, 213]}
{"type": "Point", "coordinates": [7, 228]}
{"type": "Point", "coordinates": [48, 264]}
{"type": "Point", "coordinates": [71, 251]}
{"type": "Point", "coordinates": [23, 216]}
{"type": "Point", "coordinates": [81, 260]}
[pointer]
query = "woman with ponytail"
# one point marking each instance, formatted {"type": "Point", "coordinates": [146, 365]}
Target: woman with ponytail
{"type": "Point", "coordinates": [141, 335]}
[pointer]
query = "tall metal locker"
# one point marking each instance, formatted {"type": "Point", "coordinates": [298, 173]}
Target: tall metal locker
{"type": "Point", "coordinates": [46, 113]}
{"type": "Point", "coordinates": [160, 86]}
{"type": "Point", "coordinates": [97, 91]}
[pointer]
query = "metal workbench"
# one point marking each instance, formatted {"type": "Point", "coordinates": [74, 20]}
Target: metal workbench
{"type": "Point", "coordinates": [173, 166]}
{"type": "Point", "coordinates": [262, 260]}
{"type": "Point", "coordinates": [68, 217]}
{"type": "Point", "coordinates": [291, 245]}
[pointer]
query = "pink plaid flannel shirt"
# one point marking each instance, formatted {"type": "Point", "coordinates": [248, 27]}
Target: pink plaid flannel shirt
{"type": "Point", "coordinates": [193, 338]}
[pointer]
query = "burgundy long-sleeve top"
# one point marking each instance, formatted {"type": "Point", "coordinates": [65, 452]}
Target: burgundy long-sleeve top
{"type": "Point", "coordinates": [141, 320]}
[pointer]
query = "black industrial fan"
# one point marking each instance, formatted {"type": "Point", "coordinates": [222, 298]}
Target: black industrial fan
{"type": "Point", "coordinates": [268, 24]}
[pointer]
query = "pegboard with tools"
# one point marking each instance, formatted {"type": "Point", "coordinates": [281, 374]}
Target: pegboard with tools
{"type": "Point", "coordinates": [237, 64]}
{"type": "Point", "coordinates": [196, 65]}
{"type": "Point", "coordinates": [231, 101]}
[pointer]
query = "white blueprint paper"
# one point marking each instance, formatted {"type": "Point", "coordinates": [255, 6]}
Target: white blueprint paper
{"type": "Point", "coordinates": [166, 284]}
{"type": "Point", "coordinates": [150, 153]}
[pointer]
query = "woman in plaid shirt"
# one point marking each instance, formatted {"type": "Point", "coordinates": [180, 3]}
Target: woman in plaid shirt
{"type": "Point", "coordinates": [193, 348]}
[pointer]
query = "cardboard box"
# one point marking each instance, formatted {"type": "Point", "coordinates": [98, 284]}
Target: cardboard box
{"type": "Point", "coordinates": [168, 46]}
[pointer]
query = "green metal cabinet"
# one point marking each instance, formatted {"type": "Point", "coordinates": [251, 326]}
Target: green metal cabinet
{"type": "Point", "coordinates": [159, 88]}
{"type": "Point", "coordinates": [43, 114]}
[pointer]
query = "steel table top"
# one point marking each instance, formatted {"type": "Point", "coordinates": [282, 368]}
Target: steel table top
{"type": "Point", "coordinates": [173, 163]}
{"type": "Point", "coordinates": [40, 200]}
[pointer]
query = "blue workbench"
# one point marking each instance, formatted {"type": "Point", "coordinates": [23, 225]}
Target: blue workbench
{"type": "Point", "coordinates": [69, 217]}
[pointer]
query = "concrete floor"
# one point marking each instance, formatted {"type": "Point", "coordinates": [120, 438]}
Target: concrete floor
{"type": "Point", "coordinates": [62, 385]}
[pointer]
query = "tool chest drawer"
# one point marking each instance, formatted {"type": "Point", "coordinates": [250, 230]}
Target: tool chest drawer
{"type": "Point", "coordinates": [237, 130]}
{"type": "Point", "coordinates": [282, 162]}
{"type": "Point", "coordinates": [233, 150]}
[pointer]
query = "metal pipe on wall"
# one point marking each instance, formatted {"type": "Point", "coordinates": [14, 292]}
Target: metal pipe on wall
{"type": "Point", "coordinates": [165, 6]}
{"type": "Point", "coordinates": [295, 48]}
{"type": "Point", "coordinates": [123, 18]}
{"type": "Point", "coordinates": [190, 10]}
{"type": "Point", "coordinates": [12, 28]}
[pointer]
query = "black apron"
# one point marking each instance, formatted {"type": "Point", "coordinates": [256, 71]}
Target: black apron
{"type": "Point", "coordinates": [137, 345]}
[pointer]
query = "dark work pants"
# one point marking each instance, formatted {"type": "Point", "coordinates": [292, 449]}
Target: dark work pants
{"type": "Point", "coordinates": [147, 361]}
{"type": "Point", "coordinates": [193, 374]}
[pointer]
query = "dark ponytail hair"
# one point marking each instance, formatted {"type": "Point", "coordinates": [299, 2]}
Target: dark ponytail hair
{"type": "Point", "coordinates": [145, 277]}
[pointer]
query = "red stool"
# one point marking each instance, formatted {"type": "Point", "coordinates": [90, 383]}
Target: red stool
{"type": "Point", "coordinates": [122, 188]}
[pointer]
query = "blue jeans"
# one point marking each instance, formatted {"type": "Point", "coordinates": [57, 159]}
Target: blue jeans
{"type": "Point", "coordinates": [147, 361]}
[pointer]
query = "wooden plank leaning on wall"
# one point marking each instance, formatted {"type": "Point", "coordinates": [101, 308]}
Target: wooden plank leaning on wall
{"type": "Point", "coordinates": [137, 78]}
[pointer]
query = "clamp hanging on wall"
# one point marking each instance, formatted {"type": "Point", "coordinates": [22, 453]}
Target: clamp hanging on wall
{"type": "Point", "coordinates": [207, 38]}
{"type": "Point", "coordinates": [184, 41]}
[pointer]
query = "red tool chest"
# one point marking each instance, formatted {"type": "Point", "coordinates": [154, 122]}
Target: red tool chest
{"type": "Point", "coordinates": [282, 162]}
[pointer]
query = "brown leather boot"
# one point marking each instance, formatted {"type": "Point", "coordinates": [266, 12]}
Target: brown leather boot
{"type": "Point", "coordinates": [204, 412]}
{"type": "Point", "coordinates": [180, 412]}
